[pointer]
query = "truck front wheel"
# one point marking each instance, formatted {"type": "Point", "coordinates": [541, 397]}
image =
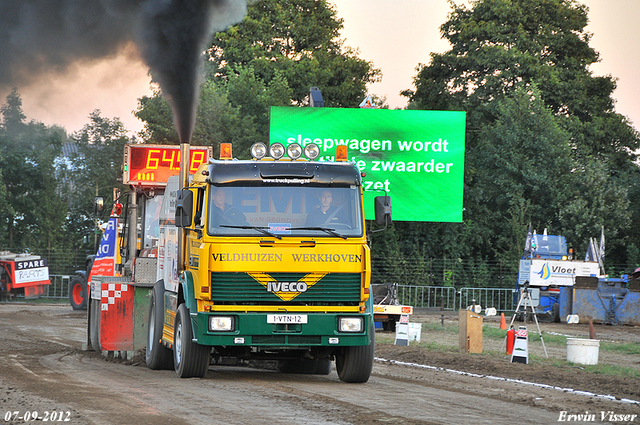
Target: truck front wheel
{"type": "Point", "coordinates": [158, 357]}
{"type": "Point", "coordinates": [78, 293]}
{"type": "Point", "coordinates": [354, 364]}
{"type": "Point", "coordinates": [190, 359]}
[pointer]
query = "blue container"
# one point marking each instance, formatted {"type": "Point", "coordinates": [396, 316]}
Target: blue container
{"type": "Point", "coordinates": [566, 302]}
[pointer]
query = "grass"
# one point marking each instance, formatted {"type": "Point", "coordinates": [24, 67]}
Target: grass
{"type": "Point", "coordinates": [630, 348]}
{"type": "Point", "coordinates": [495, 333]}
{"type": "Point", "coordinates": [607, 369]}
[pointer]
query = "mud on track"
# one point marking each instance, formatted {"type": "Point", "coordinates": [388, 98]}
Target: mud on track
{"type": "Point", "coordinates": [43, 368]}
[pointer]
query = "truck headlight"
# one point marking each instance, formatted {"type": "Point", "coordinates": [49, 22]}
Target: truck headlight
{"type": "Point", "coordinates": [258, 150]}
{"type": "Point", "coordinates": [311, 151]}
{"type": "Point", "coordinates": [294, 151]}
{"type": "Point", "coordinates": [276, 150]}
{"type": "Point", "coordinates": [350, 324]}
{"type": "Point", "coordinates": [221, 323]}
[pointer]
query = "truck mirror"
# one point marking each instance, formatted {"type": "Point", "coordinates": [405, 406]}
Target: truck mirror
{"type": "Point", "coordinates": [184, 208]}
{"type": "Point", "coordinates": [383, 210]}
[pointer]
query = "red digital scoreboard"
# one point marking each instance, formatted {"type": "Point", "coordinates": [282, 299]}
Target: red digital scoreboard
{"type": "Point", "coordinates": [152, 165]}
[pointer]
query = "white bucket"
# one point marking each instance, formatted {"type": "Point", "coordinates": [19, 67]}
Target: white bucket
{"type": "Point", "coordinates": [415, 329]}
{"type": "Point", "coordinates": [583, 351]}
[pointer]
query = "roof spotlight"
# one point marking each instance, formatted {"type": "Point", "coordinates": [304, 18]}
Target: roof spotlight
{"type": "Point", "coordinates": [258, 150]}
{"type": "Point", "coordinates": [311, 151]}
{"type": "Point", "coordinates": [294, 151]}
{"type": "Point", "coordinates": [276, 150]}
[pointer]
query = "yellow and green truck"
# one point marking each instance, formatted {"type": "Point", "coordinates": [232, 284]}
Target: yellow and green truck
{"type": "Point", "coordinates": [265, 259]}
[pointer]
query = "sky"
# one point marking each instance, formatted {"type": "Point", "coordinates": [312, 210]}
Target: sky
{"type": "Point", "coordinates": [396, 36]}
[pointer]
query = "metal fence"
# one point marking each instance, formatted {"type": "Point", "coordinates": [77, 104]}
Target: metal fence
{"type": "Point", "coordinates": [499, 298]}
{"type": "Point", "coordinates": [435, 297]}
{"type": "Point", "coordinates": [441, 297]}
{"type": "Point", "coordinates": [59, 287]}
{"type": "Point", "coordinates": [60, 261]}
{"type": "Point", "coordinates": [450, 298]}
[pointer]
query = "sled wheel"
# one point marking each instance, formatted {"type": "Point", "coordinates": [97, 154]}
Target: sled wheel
{"type": "Point", "coordinates": [158, 356]}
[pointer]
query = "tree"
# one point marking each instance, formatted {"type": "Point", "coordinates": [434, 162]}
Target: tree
{"type": "Point", "coordinates": [296, 40]}
{"type": "Point", "coordinates": [218, 121]}
{"type": "Point", "coordinates": [523, 171]}
{"type": "Point", "coordinates": [6, 211]}
{"type": "Point", "coordinates": [502, 51]}
{"type": "Point", "coordinates": [33, 210]}
{"type": "Point", "coordinates": [272, 58]}
{"type": "Point", "coordinates": [95, 170]}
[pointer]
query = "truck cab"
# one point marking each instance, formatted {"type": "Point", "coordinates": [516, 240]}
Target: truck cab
{"type": "Point", "coordinates": [272, 264]}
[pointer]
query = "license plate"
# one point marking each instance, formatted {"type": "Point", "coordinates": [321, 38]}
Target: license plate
{"type": "Point", "coordinates": [285, 319]}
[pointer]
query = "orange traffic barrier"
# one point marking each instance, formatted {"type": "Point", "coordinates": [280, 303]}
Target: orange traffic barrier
{"type": "Point", "coordinates": [511, 339]}
{"type": "Point", "coordinates": [592, 331]}
{"type": "Point", "coordinates": [503, 323]}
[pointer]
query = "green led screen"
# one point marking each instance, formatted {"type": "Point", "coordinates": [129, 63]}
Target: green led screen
{"type": "Point", "coordinates": [415, 156]}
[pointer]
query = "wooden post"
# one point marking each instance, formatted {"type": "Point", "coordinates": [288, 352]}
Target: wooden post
{"type": "Point", "coordinates": [470, 332]}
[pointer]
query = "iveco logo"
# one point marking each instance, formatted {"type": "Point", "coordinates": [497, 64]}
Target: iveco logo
{"type": "Point", "coordinates": [286, 287]}
{"type": "Point", "coordinates": [288, 290]}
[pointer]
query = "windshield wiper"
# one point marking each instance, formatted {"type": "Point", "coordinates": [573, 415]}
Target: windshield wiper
{"type": "Point", "coordinates": [332, 232]}
{"type": "Point", "coordinates": [259, 229]}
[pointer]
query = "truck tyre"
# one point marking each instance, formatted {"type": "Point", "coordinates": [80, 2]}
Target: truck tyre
{"type": "Point", "coordinates": [94, 325]}
{"type": "Point", "coordinates": [157, 357]}
{"type": "Point", "coordinates": [354, 364]}
{"type": "Point", "coordinates": [78, 293]}
{"type": "Point", "coordinates": [190, 359]}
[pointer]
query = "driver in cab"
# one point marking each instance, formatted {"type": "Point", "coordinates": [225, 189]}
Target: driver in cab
{"type": "Point", "coordinates": [325, 213]}
{"type": "Point", "coordinates": [224, 213]}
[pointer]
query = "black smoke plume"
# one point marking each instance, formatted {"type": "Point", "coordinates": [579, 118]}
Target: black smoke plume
{"type": "Point", "coordinates": [44, 37]}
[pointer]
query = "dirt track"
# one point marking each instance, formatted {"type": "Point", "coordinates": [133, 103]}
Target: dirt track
{"type": "Point", "coordinates": [43, 369]}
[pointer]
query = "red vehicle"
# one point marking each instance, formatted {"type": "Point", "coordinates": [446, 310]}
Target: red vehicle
{"type": "Point", "coordinates": [24, 274]}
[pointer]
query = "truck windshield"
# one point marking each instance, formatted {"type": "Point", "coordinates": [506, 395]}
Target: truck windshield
{"type": "Point", "coordinates": [285, 211]}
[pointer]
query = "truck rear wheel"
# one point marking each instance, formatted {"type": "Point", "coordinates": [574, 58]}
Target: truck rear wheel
{"type": "Point", "coordinates": [354, 364]}
{"type": "Point", "coordinates": [157, 357]}
{"type": "Point", "coordinates": [78, 293]}
{"type": "Point", "coordinates": [190, 359]}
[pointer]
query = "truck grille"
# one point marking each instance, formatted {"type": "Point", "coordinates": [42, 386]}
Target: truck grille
{"type": "Point", "coordinates": [242, 289]}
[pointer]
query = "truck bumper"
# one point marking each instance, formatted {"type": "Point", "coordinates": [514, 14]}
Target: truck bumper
{"type": "Point", "coordinates": [252, 329]}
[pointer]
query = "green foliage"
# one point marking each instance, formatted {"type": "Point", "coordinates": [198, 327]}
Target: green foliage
{"type": "Point", "coordinates": [543, 144]}
{"type": "Point", "coordinates": [95, 169]}
{"type": "Point", "coordinates": [155, 112]}
{"type": "Point", "coordinates": [218, 121]}
{"type": "Point", "coordinates": [32, 210]}
{"type": "Point", "coordinates": [613, 370]}
{"type": "Point", "coordinates": [296, 40]}
{"type": "Point", "coordinates": [630, 348]}
{"type": "Point", "coordinates": [271, 58]}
